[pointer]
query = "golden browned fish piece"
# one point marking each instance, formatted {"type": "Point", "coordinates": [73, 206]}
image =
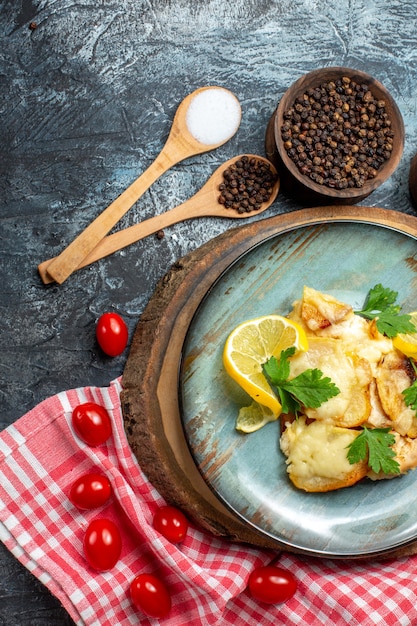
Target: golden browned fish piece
{"type": "Point", "coordinates": [394, 374]}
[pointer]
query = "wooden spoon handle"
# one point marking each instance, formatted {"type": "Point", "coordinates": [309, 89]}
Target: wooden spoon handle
{"type": "Point", "coordinates": [127, 236]}
{"type": "Point", "coordinates": [202, 204]}
{"type": "Point", "coordinates": [63, 265]}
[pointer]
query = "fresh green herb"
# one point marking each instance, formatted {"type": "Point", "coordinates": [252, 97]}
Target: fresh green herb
{"type": "Point", "coordinates": [375, 445]}
{"type": "Point", "coordinates": [410, 393]}
{"type": "Point", "coordinates": [309, 389]}
{"type": "Point", "coordinates": [380, 304]}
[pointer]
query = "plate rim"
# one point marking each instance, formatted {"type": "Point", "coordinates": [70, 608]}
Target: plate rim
{"type": "Point", "coordinates": [154, 359]}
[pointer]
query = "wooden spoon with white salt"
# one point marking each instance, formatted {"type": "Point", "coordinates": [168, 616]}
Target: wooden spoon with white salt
{"type": "Point", "coordinates": [205, 120]}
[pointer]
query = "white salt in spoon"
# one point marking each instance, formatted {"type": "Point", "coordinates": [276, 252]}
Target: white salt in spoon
{"type": "Point", "coordinates": [203, 204]}
{"type": "Point", "coordinates": [205, 120]}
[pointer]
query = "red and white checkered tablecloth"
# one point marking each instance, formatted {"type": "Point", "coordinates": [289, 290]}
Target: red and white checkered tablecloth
{"type": "Point", "coordinates": [206, 576]}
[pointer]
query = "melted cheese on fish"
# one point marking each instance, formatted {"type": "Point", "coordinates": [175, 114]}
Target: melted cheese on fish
{"type": "Point", "coordinates": [350, 374]}
{"type": "Point", "coordinates": [316, 455]}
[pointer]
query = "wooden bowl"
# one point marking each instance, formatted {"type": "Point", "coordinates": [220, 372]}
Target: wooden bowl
{"type": "Point", "coordinates": [300, 184]}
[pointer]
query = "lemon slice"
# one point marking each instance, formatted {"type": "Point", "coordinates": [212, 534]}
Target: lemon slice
{"type": "Point", "coordinates": [407, 343]}
{"type": "Point", "coordinates": [251, 344]}
{"type": "Point", "coordinates": [253, 417]}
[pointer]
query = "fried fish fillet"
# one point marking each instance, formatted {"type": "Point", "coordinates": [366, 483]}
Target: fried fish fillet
{"type": "Point", "coordinates": [318, 311]}
{"type": "Point", "coordinates": [395, 374]}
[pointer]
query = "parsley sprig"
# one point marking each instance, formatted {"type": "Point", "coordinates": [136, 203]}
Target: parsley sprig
{"type": "Point", "coordinates": [374, 444]}
{"type": "Point", "coordinates": [309, 389]}
{"type": "Point", "coordinates": [380, 304]}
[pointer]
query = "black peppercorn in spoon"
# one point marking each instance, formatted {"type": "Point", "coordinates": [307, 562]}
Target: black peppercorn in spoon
{"type": "Point", "coordinates": [205, 203]}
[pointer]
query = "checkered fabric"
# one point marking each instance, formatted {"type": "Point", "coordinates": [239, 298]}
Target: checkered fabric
{"type": "Point", "coordinates": [40, 458]}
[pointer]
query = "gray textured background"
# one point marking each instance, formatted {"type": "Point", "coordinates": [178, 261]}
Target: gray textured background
{"type": "Point", "coordinates": [86, 102]}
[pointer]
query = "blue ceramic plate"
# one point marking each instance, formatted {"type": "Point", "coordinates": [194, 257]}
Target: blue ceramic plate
{"type": "Point", "coordinates": [248, 472]}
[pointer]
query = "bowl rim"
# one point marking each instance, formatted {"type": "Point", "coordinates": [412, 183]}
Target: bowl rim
{"type": "Point", "coordinates": [319, 76]}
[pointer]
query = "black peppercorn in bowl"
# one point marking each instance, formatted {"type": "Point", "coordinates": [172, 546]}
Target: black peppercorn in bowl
{"type": "Point", "coordinates": [336, 135]}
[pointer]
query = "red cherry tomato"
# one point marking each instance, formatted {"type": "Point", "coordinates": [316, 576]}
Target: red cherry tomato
{"type": "Point", "coordinates": [91, 423]}
{"type": "Point", "coordinates": [171, 523]}
{"type": "Point", "coordinates": [150, 595]}
{"type": "Point", "coordinates": [102, 544]}
{"type": "Point", "coordinates": [112, 334]}
{"type": "Point", "coordinates": [272, 584]}
{"type": "Point", "coordinates": [90, 491]}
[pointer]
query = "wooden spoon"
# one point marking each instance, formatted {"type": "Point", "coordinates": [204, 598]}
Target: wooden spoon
{"type": "Point", "coordinates": [180, 144]}
{"type": "Point", "coordinates": [203, 204]}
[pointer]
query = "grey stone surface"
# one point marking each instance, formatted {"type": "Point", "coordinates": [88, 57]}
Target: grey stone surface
{"type": "Point", "coordinates": [86, 102]}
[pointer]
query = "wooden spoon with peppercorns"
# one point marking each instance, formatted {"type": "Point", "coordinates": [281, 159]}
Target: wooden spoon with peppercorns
{"type": "Point", "coordinates": [242, 187]}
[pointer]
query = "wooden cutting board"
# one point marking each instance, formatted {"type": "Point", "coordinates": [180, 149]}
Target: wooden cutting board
{"type": "Point", "coordinates": [150, 398]}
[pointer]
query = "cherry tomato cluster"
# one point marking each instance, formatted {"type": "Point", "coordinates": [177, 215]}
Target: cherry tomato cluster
{"type": "Point", "coordinates": [102, 540]}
